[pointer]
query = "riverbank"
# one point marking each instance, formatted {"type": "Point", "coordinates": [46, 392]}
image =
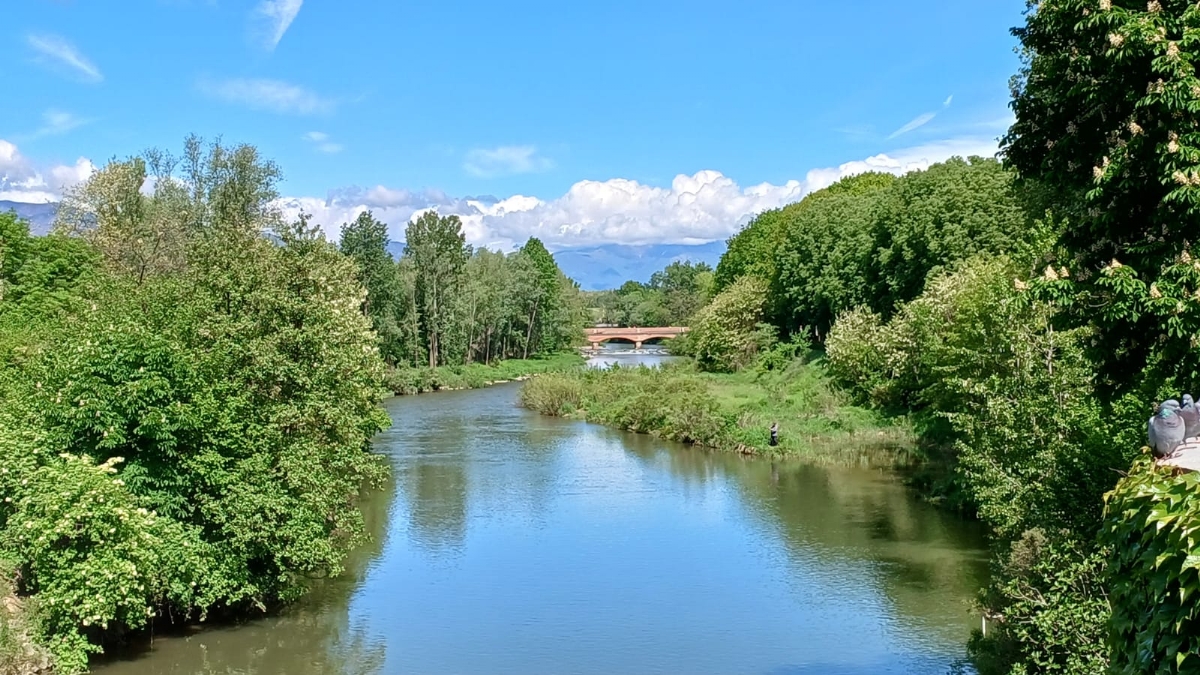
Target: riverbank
{"type": "Point", "coordinates": [19, 652]}
{"type": "Point", "coordinates": [408, 381]}
{"type": "Point", "coordinates": [731, 412]}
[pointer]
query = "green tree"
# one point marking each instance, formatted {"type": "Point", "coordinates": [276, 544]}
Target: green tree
{"type": "Point", "coordinates": [187, 438]}
{"type": "Point", "coordinates": [928, 221]}
{"type": "Point", "coordinates": [1107, 130]}
{"type": "Point", "coordinates": [685, 288]}
{"type": "Point", "coordinates": [729, 333]}
{"type": "Point", "coordinates": [439, 253]}
{"type": "Point", "coordinates": [365, 240]}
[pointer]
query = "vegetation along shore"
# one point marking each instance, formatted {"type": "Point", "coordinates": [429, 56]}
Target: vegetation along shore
{"type": "Point", "coordinates": [190, 383]}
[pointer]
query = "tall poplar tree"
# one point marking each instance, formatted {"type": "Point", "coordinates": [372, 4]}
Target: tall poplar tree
{"type": "Point", "coordinates": [439, 253]}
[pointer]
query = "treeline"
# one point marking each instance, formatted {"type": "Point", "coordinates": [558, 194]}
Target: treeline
{"type": "Point", "coordinates": [673, 295]}
{"type": "Point", "coordinates": [185, 405]}
{"type": "Point", "coordinates": [964, 298]}
{"type": "Point", "coordinates": [444, 303]}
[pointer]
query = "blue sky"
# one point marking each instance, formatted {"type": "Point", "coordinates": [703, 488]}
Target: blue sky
{"type": "Point", "coordinates": [644, 122]}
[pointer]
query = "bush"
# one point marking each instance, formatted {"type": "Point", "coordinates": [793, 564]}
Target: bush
{"type": "Point", "coordinates": [729, 332]}
{"type": "Point", "coordinates": [558, 396]}
{"type": "Point", "coordinates": [188, 443]}
{"type": "Point", "coordinates": [1051, 589]}
{"type": "Point", "coordinates": [1152, 531]}
{"type": "Point", "coordinates": [861, 357]}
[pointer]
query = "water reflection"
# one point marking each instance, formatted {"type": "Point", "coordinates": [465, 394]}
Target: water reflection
{"type": "Point", "coordinates": [514, 543]}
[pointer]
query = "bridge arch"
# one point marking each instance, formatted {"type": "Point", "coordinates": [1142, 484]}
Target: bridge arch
{"type": "Point", "coordinates": [637, 335]}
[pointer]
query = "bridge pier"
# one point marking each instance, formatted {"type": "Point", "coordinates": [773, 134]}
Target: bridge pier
{"type": "Point", "coordinates": [595, 346]}
{"type": "Point", "coordinates": [637, 345]}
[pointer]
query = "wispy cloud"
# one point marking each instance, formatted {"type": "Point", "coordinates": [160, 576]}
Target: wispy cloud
{"type": "Point", "coordinates": [57, 52]}
{"type": "Point", "coordinates": [321, 141]}
{"type": "Point", "coordinates": [920, 120]}
{"type": "Point", "coordinates": [505, 160]}
{"type": "Point", "coordinates": [56, 123]}
{"type": "Point", "coordinates": [269, 95]}
{"type": "Point", "coordinates": [274, 17]}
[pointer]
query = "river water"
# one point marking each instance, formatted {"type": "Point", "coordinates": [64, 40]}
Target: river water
{"type": "Point", "coordinates": [515, 544]}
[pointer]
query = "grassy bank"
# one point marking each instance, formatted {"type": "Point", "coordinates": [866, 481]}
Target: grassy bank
{"type": "Point", "coordinates": [405, 381]}
{"type": "Point", "coordinates": [730, 412]}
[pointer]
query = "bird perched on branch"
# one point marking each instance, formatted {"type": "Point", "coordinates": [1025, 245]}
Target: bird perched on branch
{"type": "Point", "coordinates": [1166, 429]}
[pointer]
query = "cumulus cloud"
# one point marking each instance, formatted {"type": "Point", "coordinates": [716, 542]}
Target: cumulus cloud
{"type": "Point", "coordinates": [58, 53]}
{"type": "Point", "coordinates": [505, 160]}
{"type": "Point", "coordinates": [268, 95]}
{"type": "Point", "coordinates": [273, 18]}
{"type": "Point", "coordinates": [22, 181]}
{"type": "Point", "coordinates": [322, 142]}
{"type": "Point", "coordinates": [694, 209]}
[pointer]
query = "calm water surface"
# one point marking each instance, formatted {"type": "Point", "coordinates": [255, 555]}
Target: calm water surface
{"type": "Point", "coordinates": [511, 543]}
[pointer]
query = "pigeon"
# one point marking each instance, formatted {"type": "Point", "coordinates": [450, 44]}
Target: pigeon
{"type": "Point", "coordinates": [1165, 430]}
{"type": "Point", "coordinates": [1191, 417]}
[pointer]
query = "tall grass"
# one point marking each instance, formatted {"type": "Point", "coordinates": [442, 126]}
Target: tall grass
{"type": "Point", "coordinates": [407, 380]}
{"type": "Point", "coordinates": [729, 412]}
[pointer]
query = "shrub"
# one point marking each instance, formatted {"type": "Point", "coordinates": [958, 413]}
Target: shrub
{"type": "Point", "coordinates": [1152, 531]}
{"type": "Point", "coordinates": [729, 333]}
{"type": "Point", "coordinates": [1051, 589]}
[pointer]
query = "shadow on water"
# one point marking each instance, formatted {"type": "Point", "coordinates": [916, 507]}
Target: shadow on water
{"type": "Point", "coordinates": [511, 543]}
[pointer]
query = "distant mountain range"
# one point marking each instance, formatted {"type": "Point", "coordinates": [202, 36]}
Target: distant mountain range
{"type": "Point", "coordinates": [39, 216]}
{"type": "Point", "coordinates": [595, 268]}
{"type": "Point", "coordinates": [600, 268]}
{"type": "Point", "coordinates": [609, 266]}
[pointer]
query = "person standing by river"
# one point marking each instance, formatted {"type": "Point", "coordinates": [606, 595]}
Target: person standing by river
{"type": "Point", "coordinates": [774, 434]}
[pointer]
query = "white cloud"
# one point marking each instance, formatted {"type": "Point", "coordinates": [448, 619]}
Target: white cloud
{"type": "Point", "coordinates": [917, 122]}
{"type": "Point", "coordinates": [269, 95]}
{"type": "Point", "coordinates": [505, 160]}
{"type": "Point", "coordinates": [56, 123]}
{"type": "Point", "coordinates": [920, 120]}
{"type": "Point", "coordinates": [704, 207]}
{"type": "Point", "coordinates": [56, 51]}
{"type": "Point", "coordinates": [321, 141]}
{"type": "Point", "coordinates": [21, 181]}
{"type": "Point", "coordinates": [274, 18]}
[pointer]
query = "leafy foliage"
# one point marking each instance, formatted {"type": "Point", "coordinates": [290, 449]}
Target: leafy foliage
{"type": "Point", "coordinates": [443, 304]}
{"type": "Point", "coordinates": [728, 333]}
{"type": "Point", "coordinates": [991, 375]}
{"type": "Point", "coordinates": [186, 434]}
{"type": "Point", "coordinates": [874, 240]}
{"type": "Point", "coordinates": [1055, 609]}
{"type": "Point", "coordinates": [673, 296]}
{"type": "Point", "coordinates": [1107, 129]}
{"type": "Point", "coordinates": [1151, 531]}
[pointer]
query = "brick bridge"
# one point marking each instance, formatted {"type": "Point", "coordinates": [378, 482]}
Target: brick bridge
{"type": "Point", "coordinates": [635, 335]}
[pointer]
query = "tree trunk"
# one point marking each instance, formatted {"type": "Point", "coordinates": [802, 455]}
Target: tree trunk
{"type": "Point", "coordinates": [529, 333]}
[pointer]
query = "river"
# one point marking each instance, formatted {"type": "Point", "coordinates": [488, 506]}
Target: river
{"type": "Point", "coordinates": [514, 544]}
